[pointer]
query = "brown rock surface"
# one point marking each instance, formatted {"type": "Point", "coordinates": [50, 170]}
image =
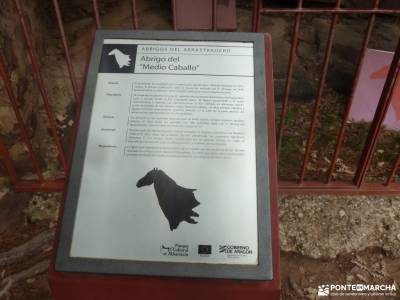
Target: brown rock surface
{"type": "Point", "coordinates": [338, 225]}
{"type": "Point", "coordinates": [12, 207]}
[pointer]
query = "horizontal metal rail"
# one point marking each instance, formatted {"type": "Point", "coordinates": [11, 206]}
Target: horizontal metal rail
{"type": "Point", "coordinates": [329, 11]}
{"type": "Point", "coordinates": [337, 188]}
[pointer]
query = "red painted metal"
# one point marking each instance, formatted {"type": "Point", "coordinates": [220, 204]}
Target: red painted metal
{"type": "Point", "coordinates": [393, 171]}
{"type": "Point", "coordinates": [337, 188]}
{"type": "Point", "coordinates": [255, 24]}
{"type": "Point", "coordinates": [134, 15]}
{"type": "Point", "coordinates": [328, 186]}
{"type": "Point", "coordinates": [71, 71]}
{"type": "Point", "coordinates": [379, 117]}
{"type": "Point", "coordinates": [395, 167]}
{"type": "Point", "coordinates": [214, 15]}
{"type": "Point", "coordinates": [20, 120]}
{"type": "Point", "coordinates": [39, 80]}
{"type": "Point", "coordinates": [273, 165]}
{"type": "Point", "coordinates": [79, 286]}
{"type": "Point", "coordinates": [340, 138]}
{"type": "Point", "coordinates": [313, 123]}
{"type": "Point", "coordinates": [96, 14]}
{"type": "Point", "coordinates": [42, 184]}
{"type": "Point", "coordinates": [52, 185]}
{"type": "Point", "coordinates": [210, 15]}
{"type": "Point", "coordinates": [358, 186]}
{"type": "Point", "coordinates": [174, 12]}
{"type": "Point", "coordinates": [292, 61]}
{"type": "Point", "coordinates": [35, 186]}
{"type": "Point", "coordinates": [329, 11]}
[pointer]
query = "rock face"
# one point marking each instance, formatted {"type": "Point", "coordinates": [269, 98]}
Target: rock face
{"type": "Point", "coordinates": [75, 10]}
{"type": "Point", "coordinates": [310, 226]}
{"type": "Point", "coordinates": [12, 207]}
{"type": "Point", "coordinates": [43, 206]}
{"type": "Point", "coordinates": [18, 67]}
{"type": "Point", "coordinates": [314, 30]}
{"type": "Point", "coordinates": [47, 46]}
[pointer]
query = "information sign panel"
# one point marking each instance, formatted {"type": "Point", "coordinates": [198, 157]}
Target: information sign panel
{"type": "Point", "coordinates": [170, 170]}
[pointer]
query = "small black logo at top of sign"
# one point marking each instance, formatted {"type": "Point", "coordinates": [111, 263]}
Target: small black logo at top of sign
{"type": "Point", "coordinates": [118, 58]}
{"type": "Point", "coordinates": [204, 249]}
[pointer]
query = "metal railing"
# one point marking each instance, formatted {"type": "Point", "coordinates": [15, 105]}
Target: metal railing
{"type": "Point", "coordinates": [40, 183]}
{"type": "Point", "coordinates": [326, 185]}
{"type": "Point", "coordinates": [358, 184]}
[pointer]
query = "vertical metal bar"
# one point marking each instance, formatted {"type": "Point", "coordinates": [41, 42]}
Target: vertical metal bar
{"type": "Point", "coordinates": [39, 80]}
{"type": "Point", "coordinates": [311, 130]}
{"type": "Point", "coordinates": [393, 171]}
{"type": "Point", "coordinates": [134, 15]}
{"type": "Point", "coordinates": [20, 119]}
{"type": "Point", "coordinates": [173, 14]}
{"type": "Point", "coordinates": [256, 16]}
{"type": "Point", "coordinates": [292, 60]}
{"type": "Point", "coordinates": [379, 117]}
{"type": "Point", "coordinates": [8, 164]}
{"type": "Point", "coordinates": [273, 178]}
{"type": "Point", "coordinates": [96, 14]}
{"type": "Point", "coordinates": [71, 71]}
{"type": "Point", "coordinates": [253, 16]}
{"type": "Point", "coordinates": [340, 138]}
{"type": "Point", "coordinates": [214, 15]}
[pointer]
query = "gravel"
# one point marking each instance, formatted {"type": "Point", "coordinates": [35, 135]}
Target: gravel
{"type": "Point", "coordinates": [326, 226]}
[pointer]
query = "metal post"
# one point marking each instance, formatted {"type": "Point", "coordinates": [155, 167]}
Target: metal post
{"type": "Point", "coordinates": [96, 14]}
{"type": "Point", "coordinates": [134, 15]}
{"type": "Point", "coordinates": [292, 60]}
{"type": "Point", "coordinates": [214, 15]}
{"type": "Point", "coordinates": [313, 123]}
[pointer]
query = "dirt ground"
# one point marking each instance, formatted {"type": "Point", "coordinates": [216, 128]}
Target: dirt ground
{"type": "Point", "coordinates": [324, 239]}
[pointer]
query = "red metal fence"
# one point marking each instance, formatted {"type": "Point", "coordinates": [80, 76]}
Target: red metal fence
{"type": "Point", "coordinates": [357, 185]}
{"type": "Point", "coordinates": [326, 185]}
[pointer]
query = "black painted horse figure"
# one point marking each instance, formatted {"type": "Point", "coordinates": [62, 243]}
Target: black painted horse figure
{"type": "Point", "coordinates": [176, 202]}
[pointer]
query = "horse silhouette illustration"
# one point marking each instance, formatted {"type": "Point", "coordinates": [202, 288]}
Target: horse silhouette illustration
{"type": "Point", "coordinates": [176, 202]}
{"type": "Point", "coordinates": [121, 58]}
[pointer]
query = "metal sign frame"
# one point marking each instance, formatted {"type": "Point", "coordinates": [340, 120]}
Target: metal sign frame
{"type": "Point", "coordinates": [262, 271]}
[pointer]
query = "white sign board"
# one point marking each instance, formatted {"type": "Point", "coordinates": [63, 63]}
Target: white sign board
{"type": "Point", "coordinates": [169, 170]}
